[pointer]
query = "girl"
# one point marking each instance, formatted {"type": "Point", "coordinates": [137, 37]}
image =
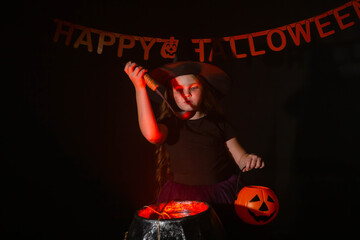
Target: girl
{"type": "Point", "coordinates": [199, 157]}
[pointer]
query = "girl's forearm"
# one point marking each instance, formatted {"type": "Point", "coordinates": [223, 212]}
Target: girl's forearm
{"type": "Point", "coordinates": [147, 121]}
{"type": "Point", "coordinates": [237, 152]}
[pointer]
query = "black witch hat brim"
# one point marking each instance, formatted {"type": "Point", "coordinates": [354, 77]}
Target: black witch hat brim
{"type": "Point", "coordinates": [218, 80]}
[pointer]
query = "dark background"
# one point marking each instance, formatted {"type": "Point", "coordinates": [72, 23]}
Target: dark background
{"type": "Point", "coordinates": [75, 165]}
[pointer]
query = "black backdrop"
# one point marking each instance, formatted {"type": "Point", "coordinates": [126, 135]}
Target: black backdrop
{"type": "Point", "coordinates": [75, 164]}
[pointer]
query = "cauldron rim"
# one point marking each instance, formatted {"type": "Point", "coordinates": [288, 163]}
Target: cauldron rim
{"type": "Point", "coordinates": [176, 219]}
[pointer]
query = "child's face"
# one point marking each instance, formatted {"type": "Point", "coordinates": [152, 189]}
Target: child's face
{"type": "Point", "coordinates": [187, 92]}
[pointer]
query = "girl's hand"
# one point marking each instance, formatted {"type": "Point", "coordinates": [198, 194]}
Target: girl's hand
{"type": "Point", "coordinates": [251, 161]}
{"type": "Point", "coordinates": [136, 74]}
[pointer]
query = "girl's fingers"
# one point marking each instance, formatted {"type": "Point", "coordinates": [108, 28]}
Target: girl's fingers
{"type": "Point", "coordinates": [247, 166]}
{"type": "Point", "coordinates": [131, 67]}
{"type": "Point", "coordinates": [258, 163]}
{"type": "Point", "coordinates": [126, 68]}
{"type": "Point", "coordinates": [142, 72]}
{"type": "Point", "coordinates": [253, 161]}
{"type": "Point", "coordinates": [136, 71]}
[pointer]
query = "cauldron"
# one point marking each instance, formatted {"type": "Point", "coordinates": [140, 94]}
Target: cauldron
{"type": "Point", "coordinates": [176, 220]}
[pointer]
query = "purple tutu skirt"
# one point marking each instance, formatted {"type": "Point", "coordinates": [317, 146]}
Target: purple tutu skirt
{"type": "Point", "coordinates": [222, 193]}
{"type": "Point", "coordinates": [221, 196]}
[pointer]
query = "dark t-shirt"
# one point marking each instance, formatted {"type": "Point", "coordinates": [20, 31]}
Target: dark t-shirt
{"type": "Point", "coordinates": [198, 153]}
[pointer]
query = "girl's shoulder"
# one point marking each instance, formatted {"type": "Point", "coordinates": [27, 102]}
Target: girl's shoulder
{"type": "Point", "coordinates": [224, 125]}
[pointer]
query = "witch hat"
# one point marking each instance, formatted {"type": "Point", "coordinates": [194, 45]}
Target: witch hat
{"type": "Point", "coordinates": [185, 63]}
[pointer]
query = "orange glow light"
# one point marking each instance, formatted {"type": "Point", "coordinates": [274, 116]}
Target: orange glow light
{"type": "Point", "coordinates": [173, 210]}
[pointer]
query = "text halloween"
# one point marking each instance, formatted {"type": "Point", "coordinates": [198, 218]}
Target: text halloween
{"type": "Point", "coordinates": [276, 39]}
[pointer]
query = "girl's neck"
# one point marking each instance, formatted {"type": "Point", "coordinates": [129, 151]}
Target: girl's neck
{"type": "Point", "coordinates": [198, 115]}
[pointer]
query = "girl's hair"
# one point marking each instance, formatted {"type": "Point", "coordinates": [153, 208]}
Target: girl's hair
{"type": "Point", "coordinates": [209, 106]}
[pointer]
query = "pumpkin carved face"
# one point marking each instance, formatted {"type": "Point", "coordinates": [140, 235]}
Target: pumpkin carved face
{"type": "Point", "coordinates": [169, 48]}
{"type": "Point", "coordinates": [256, 205]}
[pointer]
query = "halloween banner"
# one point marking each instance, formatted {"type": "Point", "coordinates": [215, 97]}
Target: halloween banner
{"type": "Point", "coordinates": [240, 46]}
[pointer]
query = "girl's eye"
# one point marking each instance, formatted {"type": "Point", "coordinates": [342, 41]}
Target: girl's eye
{"type": "Point", "coordinates": [179, 90]}
{"type": "Point", "coordinates": [194, 88]}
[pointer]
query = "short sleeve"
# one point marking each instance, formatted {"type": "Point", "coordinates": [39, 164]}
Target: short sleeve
{"type": "Point", "coordinates": [172, 126]}
{"type": "Point", "coordinates": [169, 122]}
{"type": "Point", "coordinates": [229, 131]}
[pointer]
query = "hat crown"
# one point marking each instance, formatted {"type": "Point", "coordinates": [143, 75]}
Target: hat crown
{"type": "Point", "coordinates": [216, 77]}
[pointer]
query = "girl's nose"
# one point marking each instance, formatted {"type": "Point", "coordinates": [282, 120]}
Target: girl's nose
{"type": "Point", "coordinates": [187, 94]}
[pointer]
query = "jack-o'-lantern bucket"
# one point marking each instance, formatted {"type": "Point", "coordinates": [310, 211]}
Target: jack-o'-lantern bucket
{"type": "Point", "coordinates": [176, 220]}
{"type": "Point", "coordinates": [257, 205]}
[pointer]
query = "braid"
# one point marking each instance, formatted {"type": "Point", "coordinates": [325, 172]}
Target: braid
{"type": "Point", "coordinates": [163, 172]}
{"type": "Point", "coordinates": [163, 165]}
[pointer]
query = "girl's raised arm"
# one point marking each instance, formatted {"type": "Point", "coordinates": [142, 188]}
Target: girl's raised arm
{"type": "Point", "coordinates": [153, 132]}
